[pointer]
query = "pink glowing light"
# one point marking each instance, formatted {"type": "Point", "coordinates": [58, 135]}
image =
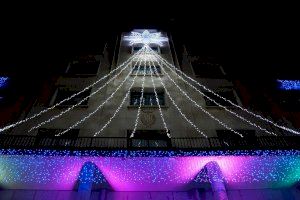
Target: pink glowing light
{"type": "Point", "coordinates": [143, 173]}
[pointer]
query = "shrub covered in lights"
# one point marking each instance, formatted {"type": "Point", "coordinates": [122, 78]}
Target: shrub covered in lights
{"type": "Point", "coordinates": [144, 170]}
{"type": "Point", "coordinates": [289, 84]}
{"type": "Point", "coordinates": [3, 81]}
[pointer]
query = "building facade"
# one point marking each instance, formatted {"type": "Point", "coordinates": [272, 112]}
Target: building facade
{"type": "Point", "coordinates": [111, 147]}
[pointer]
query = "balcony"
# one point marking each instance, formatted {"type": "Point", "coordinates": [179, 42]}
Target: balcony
{"type": "Point", "coordinates": [99, 143]}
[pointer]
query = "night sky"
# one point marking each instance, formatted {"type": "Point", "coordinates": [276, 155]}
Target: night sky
{"type": "Point", "coordinates": [250, 40]}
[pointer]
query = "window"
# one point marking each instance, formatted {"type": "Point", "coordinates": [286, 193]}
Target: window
{"type": "Point", "coordinates": [84, 66]}
{"type": "Point", "coordinates": [230, 139]}
{"type": "Point", "coordinates": [63, 93]}
{"type": "Point", "coordinates": [155, 48]}
{"type": "Point", "coordinates": [148, 98]}
{"type": "Point", "coordinates": [149, 138]}
{"type": "Point", "coordinates": [136, 48]}
{"type": "Point", "coordinates": [140, 70]}
{"type": "Point", "coordinates": [226, 94]}
{"type": "Point", "coordinates": [207, 70]}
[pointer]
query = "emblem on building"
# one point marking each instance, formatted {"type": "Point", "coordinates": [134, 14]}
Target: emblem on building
{"type": "Point", "coordinates": [147, 118]}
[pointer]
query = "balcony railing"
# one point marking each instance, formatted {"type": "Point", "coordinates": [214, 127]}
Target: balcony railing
{"type": "Point", "coordinates": [81, 143]}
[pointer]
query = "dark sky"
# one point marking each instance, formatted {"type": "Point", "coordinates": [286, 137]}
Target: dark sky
{"type": "Point", "coordinates": [251, 40]}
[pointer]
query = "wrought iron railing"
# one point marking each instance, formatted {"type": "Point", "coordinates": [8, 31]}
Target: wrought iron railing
{"type": "Point", "coordinates": [32, 142]}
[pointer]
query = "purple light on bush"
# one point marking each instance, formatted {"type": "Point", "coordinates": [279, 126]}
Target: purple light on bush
{"type": "Point", "coordinates": [134, 171]}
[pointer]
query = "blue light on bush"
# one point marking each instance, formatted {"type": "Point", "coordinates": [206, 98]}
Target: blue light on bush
{"type": "Point", "coordinates": [289, 84]}
{"type": "Point", "coordinates": [3, 81]}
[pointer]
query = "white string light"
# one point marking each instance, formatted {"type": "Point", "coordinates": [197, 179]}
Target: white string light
{"type": "Point", "coordinates": [197, 105]}
{"type": "Point", "coordinates": [120, 106]}
{"type": "Point", "coordinates": [224, 107]}
{"type": "Point", "coordinates": [69, 98]}
{"type": "Point", "coordinates": [247, 111]}
{"type": "Point", "coordinates": [141, 100]}
{"type": "Point", "coordinates": [152, 56]}
{"type": "Point", "coordinates": [179, 110]}
{"type": "Point", "coordinates": [237, 115]}
{"type": "Point", "coordinates": [77, 104]}
{"type": "Point", "coordinates": [158, 104]}
{"type": "Point", "coordinates": [99, 107]}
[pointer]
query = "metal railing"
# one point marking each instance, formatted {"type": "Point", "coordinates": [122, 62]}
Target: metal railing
{"type": "Point", "coordinates": [33, 142]}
